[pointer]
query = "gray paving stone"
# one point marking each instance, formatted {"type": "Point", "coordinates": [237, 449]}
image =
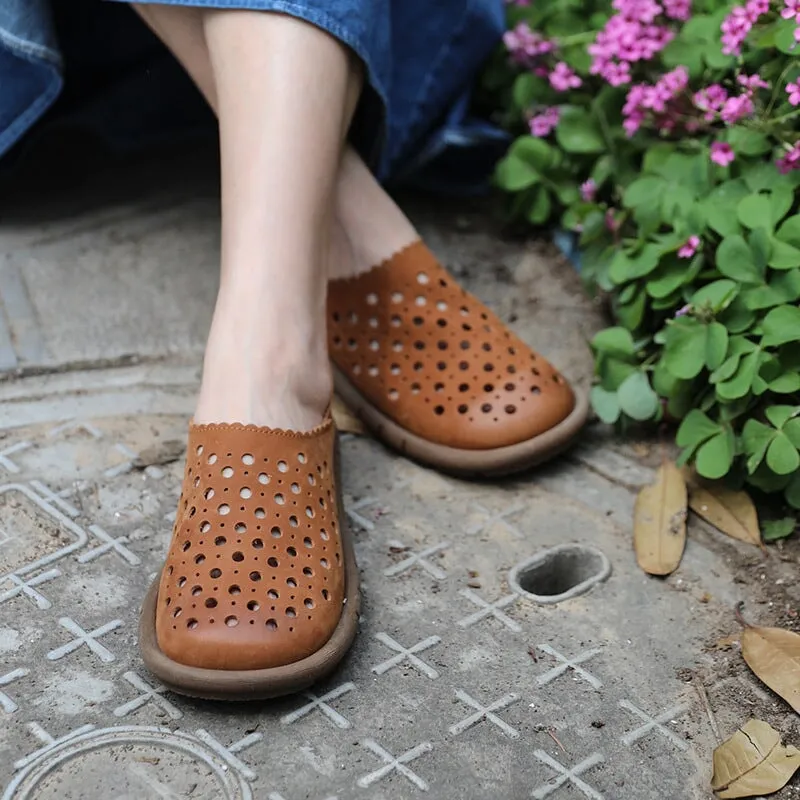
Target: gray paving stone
{"type": "Point", "coordinates": [457, 688]}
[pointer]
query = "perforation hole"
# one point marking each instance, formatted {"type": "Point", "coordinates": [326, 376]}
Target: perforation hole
{"type": "Point", "coordinates": [438, 387]}
{"type": "Point", "coordinates": [227, 472]}
{"type": "Point", "coordinates": [215, 573]}
{"type": "Point", "coordinates": [177, 612]}
{"type": "Point", "coordinates": [535, 390]}
{"type": "Point", "coordinates": [271, 624]}
{"type": "Point", "coordinates": [259, 513]}
{"type": "Point", "coordinates": [308, 602]}
{"type": "Point", "coordinates": [258, 544]}
{"type": "Point", "coordinates": [209, 493]}
{"type": "Point", "coordinates": [211, 602]}
{"type": "Point", "coordinates": [293, 521]}
{"type": "Point", "coordinates": [290, 612]}
{"type": "Point", "coordinates": [248, 460]}
{"type": "Point", "coordinates": [186, 546]}
{"type": "Point", "coordinates": [295, 487]}
{"type": "Point", "coordinates": [441, 306]}
{"type": "Point", "coordinates": [245, 493]}
{"type": "Point", "coordinates": [283, 466]}
{"type": "Point", "coordinates": [272, 562]}
{"type": "Point", "coordinates": [373, 371]}
{"type": "Point", "coordinates": [372, 299]}
{"type": "Point", "coordinates": [395, 321]}
{"type": "Point", "coordinates": [191, 624]}
{"type": "Point", "coordinates": [224, 509]}
{"type": "Point", "coordinates": [373, 345]}
{"type": "Point", "coordinates": [301, 457]}
{"type": "Point", "coordinates": [423, 279]}
{"type": "Point", "coordinates": [199, 450]}
{"type": "Point", "coordinates": [181, 582]}
{"type": "Point", "coordinates": [326, 595]}
{"type": "Point", "coordinates": [324, 563]}
{"type": "Point", "coordinates": [394, 369]}
{"type": "Point", "coordinates": [463, 365]}
{"type": "Point", "coordinates": [205, 527]}
{"type": "Point", "coordinates": [510, 387]}
{"type": "Point", "coordinates": [486, 408]}
{"type": "Point", "coordinates": [197, 590]}
{"type": "Point", "coordinates": [220, 540]}
{"type": "Point", "coordinates": [415, 388]}
{"type": "Point", "coordinates": [462, 409]}
{"type": "Point", "coordinates": [397, 297]}
{"type": "Point", "coordinates": [276, 532]}
{"type": "Point", "coordinates": [279, 499]}
{"type": "Point", "coordinates": [310, 512]}
{"type": "Point", "coordinates": [231, 621]}
{"type": "Point", "coordinates": [438, 410]}
{"type": "Point", "coordinates": [253, 605]}
{"type": "Point", "coordinates": [308, 572]}
{"type": "Point", "coordinates": [291, 582]}
{"type": "Point", "coordinates": [488, 387]}
{"type": "Point", "coordinates": [272, 594]}
{"type": "Point", "coordinates": [212, 459]}
{"type": "Point", "coordinates": [255, 576]}
{"type": "Point", "coordinates": [324, 535]}
{"type": "Point", "coordinates": [199, 559]}
{"type": "Point", "coordinates": [291, 552]}
{"type": "Point", "coordinates": [488, 367]}
{"type": "Point", "coordinates": [240, 527]}
{"type": "Point", "coordinates": [420, 301]}
{"type": "Point", "coordinates": [234, 590]}
{"type": "Point", "coordinates": [511, 409]}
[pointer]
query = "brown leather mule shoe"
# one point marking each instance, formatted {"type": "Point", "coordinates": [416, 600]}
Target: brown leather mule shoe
{"type": "Point", "coordinates": [259, 593]}
{"type": "Point", "coordinates": [434, 373]}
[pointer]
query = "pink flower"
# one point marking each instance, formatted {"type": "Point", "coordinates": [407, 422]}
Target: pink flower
{"type": "Point", "coordinates": [722, 153]}
{"type": "Point", "coordinates": [644, 100]}
{"type": "Point", "coordinates": [526, 45]}
{"type": "Point", "coordinates": [611, 221]}
{"type": "Point", "coordinates": [793, 90]}
{"type": "Point", "coordinates": [682, 312]}
{"type": "Point", "coordinates": [562, 78]}
{"type": "Point", "coordinates": [542, 124]}
{"type": "Point", "coordinates": [790, 161]}
{"type": "Point", "coordinates": [737, 108]}
{"type": "Point", "coordinates": [689, 248]}
{"type": "Point", "coordinates": [791, 9]}
{"type": "Point", "coordinates": [711, 100]}
{"type": "Point", "coordinates": [738, 24]}
{"type": "Point", "coordinates": [678, 9]}
{"type": "Point", "coordinates": [752, 82]}
{"type": "Point", "coordinates": [588, 191]}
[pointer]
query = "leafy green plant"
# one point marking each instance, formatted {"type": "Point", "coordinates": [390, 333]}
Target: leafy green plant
{"type": "Point", "coordinates": [676, 164]}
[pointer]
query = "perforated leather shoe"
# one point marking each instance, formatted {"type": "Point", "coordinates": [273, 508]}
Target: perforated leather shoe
{"type": "Point", "coordinates": [434, 373]}
{"type": "Point", "coordinates": [259, 593]}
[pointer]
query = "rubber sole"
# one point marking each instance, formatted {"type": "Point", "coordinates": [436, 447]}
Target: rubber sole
{"type": "Point", "coordinates": [258, 684]}
{"type": "Point", "coordinates": [465, 463]}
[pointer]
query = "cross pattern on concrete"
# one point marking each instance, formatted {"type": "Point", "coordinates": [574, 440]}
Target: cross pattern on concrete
{"type": "Point", "coordinates": [48, 741]}
{"type": "Point", "coordinates": [57, 499]}
{"type": "Point", "coordinates": [149, 694]}
{"type": "Point", "coordinates": [83, 638]}
{"type": "Point", "coordinates": [125, 466]}
{"type": "Point", "coordinates": [485, 713]}
{"type": "Point", "coordinates": [110, 544]}
{"type": "Point", "coordinates": [497, 518]}
{"type": "Point", "coordinates": [5, 462]}
{"type": "Point", "coordinates": [228, 754]}
{"type": "Point", "coordinates": [75, 425]}
{"type": "Point", "coordinates": [6, 703]}
{"type": "Point", "coordinates": [352, 510]}
{"type": "Point", "coordinates": [26, 588]}
{"type": "Point", "coordinates": [654, 724]}
{"type": "Point", "coordinates": [392, 764]}
{"type": "Point", "coordinates": [567, 776]}
{"type": "Point", "coordinates": [321, 703]}
{"type": "Point", "coordinates": [418, 559]}
{"type": "Point", "coordinates": [569, 664]}
{"type": "Point", "coordinates": [487, 610]}
{"type": "Point", "coordinates": [404, 654]}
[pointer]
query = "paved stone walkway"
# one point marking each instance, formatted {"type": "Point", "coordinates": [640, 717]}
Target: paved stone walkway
{"type": "Point", "coordinates": [458, 688]}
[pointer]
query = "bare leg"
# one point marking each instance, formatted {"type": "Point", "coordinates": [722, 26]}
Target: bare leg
{"type": "Point", "coordinates": [368, 226]}
{"type": "Point", "coordinates": [274, 78]}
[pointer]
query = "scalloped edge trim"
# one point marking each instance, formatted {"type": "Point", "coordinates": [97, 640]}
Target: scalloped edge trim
{"type": "Point", "coordinates": [388, 261]}
{"type": "Point", "coordinates": [240, 427]}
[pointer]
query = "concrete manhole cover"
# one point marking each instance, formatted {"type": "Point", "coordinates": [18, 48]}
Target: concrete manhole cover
{"type": "Point", "coordinates": [128, 763]}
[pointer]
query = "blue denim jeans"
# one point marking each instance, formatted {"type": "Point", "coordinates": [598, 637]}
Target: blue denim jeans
{"type": "Point", "coordinates": [421, 57]}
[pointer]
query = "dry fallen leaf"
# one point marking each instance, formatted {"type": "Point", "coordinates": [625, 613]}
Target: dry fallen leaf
{"type": "Point", "coordinates": [774, 655]}
{"type": "Point", "coordinates": [659, 522]}
{"type": "Point", "coordinates": [731, 512]}
{"type": "Point", "coordinates": [753, 762]}
{"type": "Point", "coordinates": [346, 421]}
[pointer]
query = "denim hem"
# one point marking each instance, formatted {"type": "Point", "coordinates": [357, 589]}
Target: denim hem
{"type": "Point", "coordinates": [29, 49]}
{"type": "Point", "coordinates": [42, 101]}
{"type": "Point", "coordinates": [319, 19]}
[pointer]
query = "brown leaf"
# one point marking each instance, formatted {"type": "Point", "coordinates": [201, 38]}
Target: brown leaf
{"type": "Point", "coordinates": [659, 522]}
{"type": "Point", "coordinates": [346, 421]}
{"type": "Point", "coordinates": [774, 655]}
{"type": "Point", "coordinates": [753, 762]}
{"type": "Point", "coordinates": [730, 512]}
